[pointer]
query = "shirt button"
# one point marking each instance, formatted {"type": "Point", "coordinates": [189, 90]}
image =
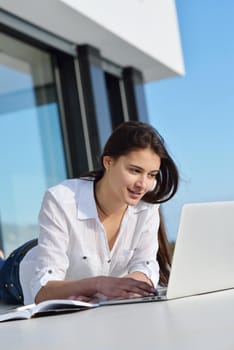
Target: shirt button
{"type": "Point", "coordinates": [147, 262]}
{"type": "Point", "coordinates": [49, 271]}
{"type": "Point", "coordinates": [84, 257]}
{"type": "Point", "coordinates": [109, 261]}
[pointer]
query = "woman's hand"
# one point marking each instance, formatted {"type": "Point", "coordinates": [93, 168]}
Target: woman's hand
{"type": "Point", "coordinates": [94, 288]}
{"type": "Point", "coordinates": [140, 276]}
{"type": "Point", "coordinates": [115, 287]}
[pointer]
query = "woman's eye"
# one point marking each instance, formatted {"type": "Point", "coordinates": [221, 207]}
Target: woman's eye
{"type": "Point", "coordinates": [134, 171]}
{"type": "Point", "coordinates": [152, 176]}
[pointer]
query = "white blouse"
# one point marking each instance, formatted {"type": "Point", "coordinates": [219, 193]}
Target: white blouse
{"type": "Point", "coordinates": [73, 243]}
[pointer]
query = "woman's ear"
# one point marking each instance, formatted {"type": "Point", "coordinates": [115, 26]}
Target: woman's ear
{"type": "Point", "coordinates": [107, 160]}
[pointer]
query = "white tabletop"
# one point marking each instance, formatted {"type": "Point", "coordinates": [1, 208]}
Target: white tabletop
{"type": "Point", "coordinates": [192, 323]}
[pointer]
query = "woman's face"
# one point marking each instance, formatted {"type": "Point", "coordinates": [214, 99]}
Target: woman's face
{"type": "Point", "coordinates": [131, 176]}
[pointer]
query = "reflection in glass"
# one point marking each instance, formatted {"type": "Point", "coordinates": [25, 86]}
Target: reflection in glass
{"type": "Point", "coordinates": [31, 147]}
{"type": "Point", "coordinates": [140, 102]}
{"type": "Point", "coordinates": [101, 105]}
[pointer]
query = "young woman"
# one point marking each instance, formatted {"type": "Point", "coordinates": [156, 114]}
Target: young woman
{"type": "Point", "coordinates": [98, 233]}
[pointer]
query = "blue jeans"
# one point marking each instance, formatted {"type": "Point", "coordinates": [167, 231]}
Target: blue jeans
{"type": "Point", "coordinates": [10, 287]}
{"type": "Point", "coordinates": [1, 262]}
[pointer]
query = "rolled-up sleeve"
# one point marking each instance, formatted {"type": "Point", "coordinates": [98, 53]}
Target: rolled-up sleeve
{"type": "Point", "coordinates": [144, 257]}
{"type": "Point", "coordinates": [52, 260]}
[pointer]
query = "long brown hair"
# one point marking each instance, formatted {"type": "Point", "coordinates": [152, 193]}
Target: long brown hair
{"type": "Point", "coordinates": [134, 135]}
{"type": "Point", "coordinates": [164, 255]}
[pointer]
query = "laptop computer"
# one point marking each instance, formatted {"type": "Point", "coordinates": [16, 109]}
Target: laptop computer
{"type": "Point", "coordinates": [203, 259]}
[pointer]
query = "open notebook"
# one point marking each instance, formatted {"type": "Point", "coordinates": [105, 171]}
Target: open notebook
{"type": "Point", "coordinates": [203, 259]}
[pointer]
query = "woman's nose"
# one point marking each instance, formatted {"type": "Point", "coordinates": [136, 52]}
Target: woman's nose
{"type": "Point", "coordinates": [141, 182]}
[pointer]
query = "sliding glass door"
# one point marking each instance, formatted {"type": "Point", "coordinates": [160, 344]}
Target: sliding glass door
{"type": "Point", "coordinates": [31, 145]}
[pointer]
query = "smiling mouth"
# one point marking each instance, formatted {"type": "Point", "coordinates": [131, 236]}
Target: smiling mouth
{"type": "Point", "coordinates": [135, 193]}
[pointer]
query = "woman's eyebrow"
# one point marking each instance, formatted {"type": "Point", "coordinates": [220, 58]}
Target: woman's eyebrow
{"type": "Point", "coordinates": [136, 167]}
{"type": "Point", "coordinates": [140, 168]}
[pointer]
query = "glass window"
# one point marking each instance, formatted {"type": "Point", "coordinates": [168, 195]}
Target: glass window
{"type": "Point", "coordinates": [101, 104]}
{"type": "Point", "coordinates": [31, 147]}
{"type": "Point", "coordinates": [113, 85]}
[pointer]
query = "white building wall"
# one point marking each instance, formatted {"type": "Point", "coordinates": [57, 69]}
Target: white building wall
{"type": "Point", "coordinates": [139, 33]}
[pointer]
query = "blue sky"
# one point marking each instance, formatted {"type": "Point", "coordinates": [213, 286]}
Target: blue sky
{"type": "Point", "coordinates": [195, 113]}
